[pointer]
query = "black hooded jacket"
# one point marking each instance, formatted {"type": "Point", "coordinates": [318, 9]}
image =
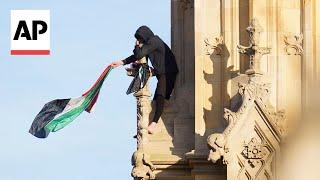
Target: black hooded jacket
{"type": "Point", "coordinates": [158, 52]}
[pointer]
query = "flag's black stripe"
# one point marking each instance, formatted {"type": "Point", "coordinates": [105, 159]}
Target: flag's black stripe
{"type": "Point", "coordinates": [47, 113]}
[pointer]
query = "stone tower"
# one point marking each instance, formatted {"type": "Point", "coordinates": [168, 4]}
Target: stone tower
{"type": "Point", "coordinates": [246, 67]}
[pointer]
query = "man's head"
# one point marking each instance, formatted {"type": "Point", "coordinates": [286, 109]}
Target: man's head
{"type": "Point", "coordinates": [143, 34]}
{"type": "Point", "coordinates": [139, 38]}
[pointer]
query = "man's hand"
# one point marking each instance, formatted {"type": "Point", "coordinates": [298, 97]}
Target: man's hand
{"type": "Point", "coordinates": [116, 64]}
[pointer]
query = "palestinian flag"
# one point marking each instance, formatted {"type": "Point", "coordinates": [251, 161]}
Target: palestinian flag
{"type": "Point", "coordinates": [58, 113]}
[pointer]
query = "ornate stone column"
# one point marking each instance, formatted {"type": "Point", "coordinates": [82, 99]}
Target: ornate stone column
{"type": "Point", "coordinates": [142, 166]}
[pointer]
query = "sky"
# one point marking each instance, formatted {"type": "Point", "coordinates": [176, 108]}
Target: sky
{"type": "Point", "coordinates": [85, 37]}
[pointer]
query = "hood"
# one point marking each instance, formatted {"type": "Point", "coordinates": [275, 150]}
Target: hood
{"type": "Point", "coordinates": [144, 32]}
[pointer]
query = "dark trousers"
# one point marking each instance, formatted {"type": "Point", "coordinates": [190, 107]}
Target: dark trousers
{"type": "Point", "coordinates": [163, 91]}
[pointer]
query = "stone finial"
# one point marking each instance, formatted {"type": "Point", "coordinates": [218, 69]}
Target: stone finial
{"type": "Point", "coordinates": [254, 51]}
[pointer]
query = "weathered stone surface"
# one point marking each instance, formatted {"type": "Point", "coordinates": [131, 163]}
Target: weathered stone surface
{"type": "Point", "coordinates": [220, 113]}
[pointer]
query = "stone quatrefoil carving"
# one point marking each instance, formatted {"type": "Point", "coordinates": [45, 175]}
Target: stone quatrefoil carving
{"type": "Point", "coordinates": [254, 151]}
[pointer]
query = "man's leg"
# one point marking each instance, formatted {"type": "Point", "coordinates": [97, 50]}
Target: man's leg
{"type": "Point", "coordinates": [159, 100]}
{"type": "Point", "coordinates": [159, 108]}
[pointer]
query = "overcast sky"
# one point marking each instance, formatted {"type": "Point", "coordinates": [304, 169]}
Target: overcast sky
{"type": "Point", "coordinates": [85, 37]}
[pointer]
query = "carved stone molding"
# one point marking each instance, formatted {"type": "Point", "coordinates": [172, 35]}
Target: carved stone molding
{"type": "Point", "coordinates": [255, 158]}
{"type": "Point", "coordinates": [143, 167]}
{"type": "Point", "coordinates": [213, 45]}
{"type": "Point", "coordinates": [277, 118]}
{"type": "Point", "coordinates": [254, 91]}
{"type": "Point", "coordinates": [254, 51]}
{"type": "Point", "coordinates": [293, 44]}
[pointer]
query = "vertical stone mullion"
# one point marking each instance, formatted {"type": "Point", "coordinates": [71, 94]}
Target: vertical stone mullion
{"type": "Point", "coordinates": [272, 42]}
{"type": "Point", "coordinates": [317, 38]}
{"type": "Point", "coordinates": [311, 32]}
{"type": "Point", "coordinates": [289, 70]}
{"type": "Point", "coordinates": [208, 72]}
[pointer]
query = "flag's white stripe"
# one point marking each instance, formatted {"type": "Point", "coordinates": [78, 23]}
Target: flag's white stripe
{"type": "Point", "coordinates": [73, 103]}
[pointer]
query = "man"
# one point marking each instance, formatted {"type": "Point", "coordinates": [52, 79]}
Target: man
{"type": "Point", "coordinates": [163, 61]}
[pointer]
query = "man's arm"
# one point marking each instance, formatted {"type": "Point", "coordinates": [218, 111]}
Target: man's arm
{"type": "Point", "coordinates": [140, 52]}
{"type": "Point", "coordinates": [129, 60]}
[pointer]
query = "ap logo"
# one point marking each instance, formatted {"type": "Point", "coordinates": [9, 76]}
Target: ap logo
{"type": "Point", "coordinates": [30, 32]}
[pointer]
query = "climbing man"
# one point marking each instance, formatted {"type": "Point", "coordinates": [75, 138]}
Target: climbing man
{"type": "Point", "coordinates": [164, 64]}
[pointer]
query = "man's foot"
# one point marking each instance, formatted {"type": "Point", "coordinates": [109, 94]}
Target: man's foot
{"type": "Point", "coordinates": [152, 128]}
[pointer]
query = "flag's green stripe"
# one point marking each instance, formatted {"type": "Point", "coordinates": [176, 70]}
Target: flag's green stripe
{"type": "Point", "coordinates": [69, 116]}
{"type": "Point", "coordinates": [63, 120]}
{"type": "Point", "coordinates": [66, 118]}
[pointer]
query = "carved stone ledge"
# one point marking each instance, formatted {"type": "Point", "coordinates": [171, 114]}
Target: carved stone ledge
{"type": "Point", "coordinates": [213, 45]}
{"type": "Point", "coordinates": [293, 44]}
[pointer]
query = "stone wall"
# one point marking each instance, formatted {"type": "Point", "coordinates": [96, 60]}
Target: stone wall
{"type": "Point", "coordinates": [205, 37]}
